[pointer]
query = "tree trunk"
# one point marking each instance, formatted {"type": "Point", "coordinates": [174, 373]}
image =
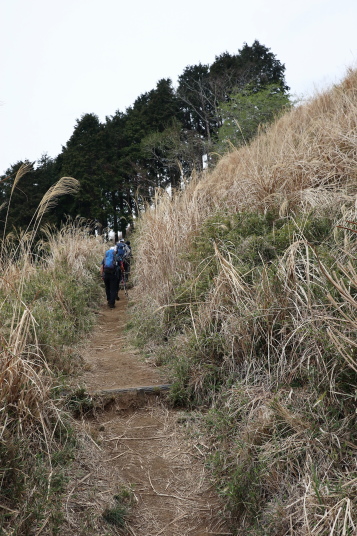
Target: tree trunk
{"type": "Point", "coordinates": [122, 218]}
{"type": "Point", "coordinates": [115, 218]}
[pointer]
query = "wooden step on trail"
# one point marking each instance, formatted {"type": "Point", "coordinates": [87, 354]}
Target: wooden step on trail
{"type": "Point", "coordinates": [149, 389]}
{"type": "Point", "coordinates": [128, 398]}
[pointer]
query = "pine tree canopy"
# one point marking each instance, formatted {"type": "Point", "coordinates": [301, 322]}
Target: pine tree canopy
{"type": "Point", "coordinates": [162, 136]}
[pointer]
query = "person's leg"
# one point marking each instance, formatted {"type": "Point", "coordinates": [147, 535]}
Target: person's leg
{"type": "Point", "coordinates": [118, 286]}
{"type": "Point", "coordinates": [121, 273]}
{"type": "Point", "coordinates": [126, 270]}
{"type": "Point", "coordinates": [107, 286]}
{"type": "Point", "coordinates": [113, 290]}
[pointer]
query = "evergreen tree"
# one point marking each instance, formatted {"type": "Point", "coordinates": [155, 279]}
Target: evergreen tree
{"type": "Point", "coordinates": [27, 194]}
{"type": "Point", "coordinates": [83, 158]}
{"type": "Point", "coordinates": [119, 173]}
{"type": "Point", "coordinates": [151, 115]}
{"type": "Point", "coordinates": [204, 89]}
{"type": "Point", "coordinates": [162, 106]}
{"type": "Point", "coordinates": [248, 110]}
{"type": "Point", "coordinates": [196, 100]}
{"type": "Point", "coordinates": [164, 134]}
{"type": "Point", "coordinates": [254, 66]}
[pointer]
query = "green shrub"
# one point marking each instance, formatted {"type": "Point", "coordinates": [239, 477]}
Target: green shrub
{"type": "Point", "coordinates": [118, 514]}
{"type": "Point", "coordinates": [80, 403]}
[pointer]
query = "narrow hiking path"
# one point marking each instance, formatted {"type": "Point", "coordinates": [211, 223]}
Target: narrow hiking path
{"type": "Point", "coordinates": [111, 362]}
{"type": "Point", "coordinates": [139, 444]}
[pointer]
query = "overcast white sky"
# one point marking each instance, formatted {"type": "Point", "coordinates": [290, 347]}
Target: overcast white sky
{"type": "Point", "coordinates": [63, 58]}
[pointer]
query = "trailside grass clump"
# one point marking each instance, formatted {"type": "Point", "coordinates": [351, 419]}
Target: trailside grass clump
{"type": "Point", "coordinates": [48, 294]}
{"type": "Point", "coordinates": [254, 307]}
{"type": "Point", "coordinates": [117, 515]}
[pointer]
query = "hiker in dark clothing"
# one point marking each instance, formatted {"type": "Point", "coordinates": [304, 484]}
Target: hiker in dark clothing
{"type": "Point", "coordinates": [110, 277]}
{"type": "Point", "coordinates": [119, 272]}
{"type": "Point", "coordinates": [123, 252]}
{"type": "Point", "coordinates": [128, 259]}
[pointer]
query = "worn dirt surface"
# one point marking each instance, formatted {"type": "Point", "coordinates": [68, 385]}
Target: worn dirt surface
{"type": "Point", "coordinates": [111, 362]}
{"type": "Point", "coordinates": [135, 442]}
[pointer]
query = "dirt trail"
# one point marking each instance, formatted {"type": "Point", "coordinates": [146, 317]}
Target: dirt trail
{"type": "Point", "coordinates": [139, 444]}
{"type": "Point", "coordinates": [111, 362]}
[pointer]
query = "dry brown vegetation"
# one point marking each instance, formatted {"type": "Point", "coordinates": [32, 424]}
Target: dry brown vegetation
{"type": "Point", "coordinates": [246, 289]}
{"type": "Point", "coordinates": [306, 159]}
{"type": "Point", "coordinates": [47, 291]}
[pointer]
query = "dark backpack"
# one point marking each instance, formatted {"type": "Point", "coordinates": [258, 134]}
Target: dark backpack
{"type": "Point", "coordinates": [109, 261]}
{"type": "Point", "coordinates": [129, 249]}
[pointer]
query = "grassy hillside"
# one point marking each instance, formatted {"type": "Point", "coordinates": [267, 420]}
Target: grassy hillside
{"type": "Point", "coordinates": [245, 290]}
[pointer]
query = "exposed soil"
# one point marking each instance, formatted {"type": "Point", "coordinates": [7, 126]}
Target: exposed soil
{"type": "Point", "coordinates": [110, 361]}
{"type": "Point", "coordinates": [135, 442]}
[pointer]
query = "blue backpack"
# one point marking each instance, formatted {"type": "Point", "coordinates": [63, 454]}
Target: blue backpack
{"type": "Point", "coordinates": [109, 260]}
{"type": "Point", "coordinates": [121, 251]}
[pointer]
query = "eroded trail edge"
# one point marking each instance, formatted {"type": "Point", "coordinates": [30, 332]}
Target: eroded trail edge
{"type": "Point", "coordinates": [133, 441]}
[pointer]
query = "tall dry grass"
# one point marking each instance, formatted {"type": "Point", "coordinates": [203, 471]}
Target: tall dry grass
{"type": "Point", "coordinates": [310, 148]}
{"type": "Point", "coordinates": [45, 287]}
{"type": "Point", "coordinates": [163, 233]}
{"type": "Point", "coordinates": [306, 159]}
{"type": "Point", "coordinates": [270, 348]}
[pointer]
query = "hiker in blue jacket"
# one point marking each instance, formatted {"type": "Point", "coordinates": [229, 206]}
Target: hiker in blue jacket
{"type": "Point", "coordinates": [123, 253]}
{"type": "Point", "coordinates": [108, 271]}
